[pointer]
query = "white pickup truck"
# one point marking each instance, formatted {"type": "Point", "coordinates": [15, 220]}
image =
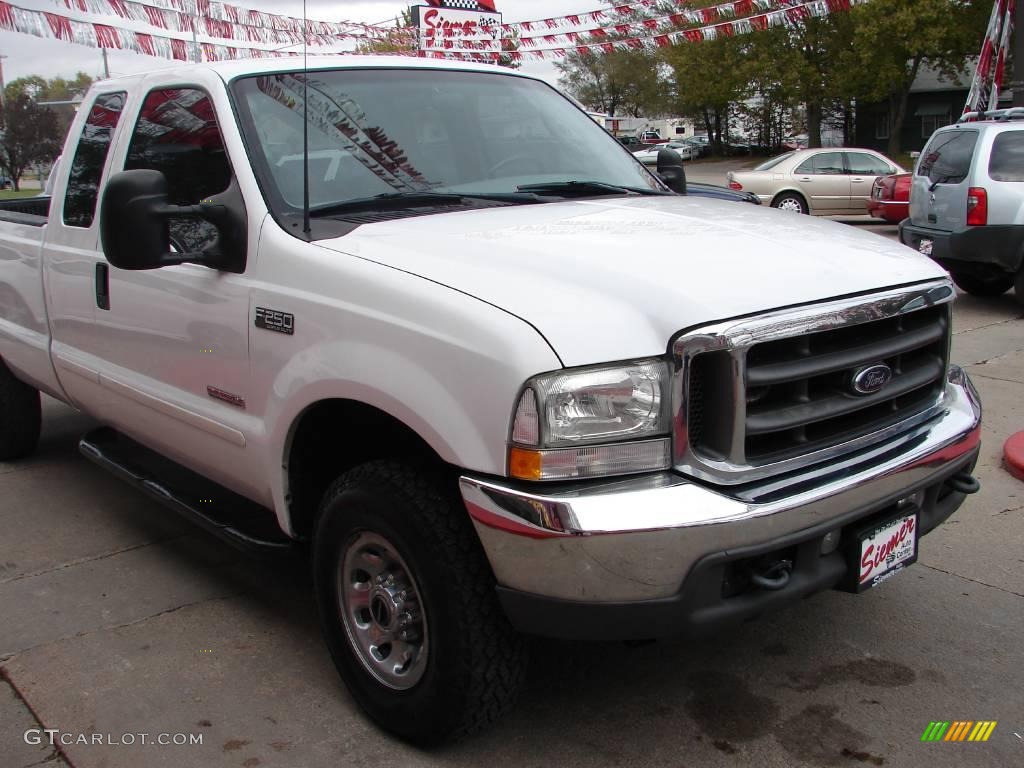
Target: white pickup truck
{"type": "Point", "coordinates": [493, 374]}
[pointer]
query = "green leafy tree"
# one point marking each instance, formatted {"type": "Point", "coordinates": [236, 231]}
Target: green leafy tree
{"type": "Point", "coordinates": [707, 80]}
{"type": "Point", "coordinates": [614, 83]}
{"type": "Point", "coordinates": [893, 39]}
{"type": "Point", "coordinates": [30, 136]}
{"type": "Point", "coordinates": [65, 92]}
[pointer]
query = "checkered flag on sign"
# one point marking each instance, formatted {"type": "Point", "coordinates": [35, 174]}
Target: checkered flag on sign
{"type": "Point", "coordinates": [469, 5]}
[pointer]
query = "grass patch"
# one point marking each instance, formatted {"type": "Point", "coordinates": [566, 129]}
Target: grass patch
{"type": "Point", "coordinates": [10, 194]}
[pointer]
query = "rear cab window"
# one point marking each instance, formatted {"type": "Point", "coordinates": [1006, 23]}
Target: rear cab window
{"type": "Point", "coordinates": [1006, 162]}
{"type": "Point", "coordinates": [90, 158]}
{"type": "Point", "coordinates": [947, 158]}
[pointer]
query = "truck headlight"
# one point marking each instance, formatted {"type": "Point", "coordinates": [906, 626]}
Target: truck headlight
{"type": "Point", "coordinates": [592, 422]}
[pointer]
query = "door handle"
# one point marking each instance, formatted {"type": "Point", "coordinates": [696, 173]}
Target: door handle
{"type": "Point", "coordinates": [805, 178]}
{"type": "Point", "coordinates": [858, 181]}
{"type": "Point", "coordinates": [102, 285]}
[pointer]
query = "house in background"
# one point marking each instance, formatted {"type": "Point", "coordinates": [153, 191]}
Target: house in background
{"type": "Point", "coordinates": [933, 102]}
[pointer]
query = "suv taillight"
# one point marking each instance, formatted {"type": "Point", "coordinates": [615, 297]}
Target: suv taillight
{"type": "Point", "coordinates": [977, 207]}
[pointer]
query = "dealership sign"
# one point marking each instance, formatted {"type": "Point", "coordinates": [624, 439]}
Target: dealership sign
{"type": "Point", "coordinates": [456, 29]}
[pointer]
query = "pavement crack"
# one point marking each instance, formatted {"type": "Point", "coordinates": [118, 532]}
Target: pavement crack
{"type": "Point", "coordinates": [57, 753]}
{"type": "Point", "coordinates": [989, 325]}
{"type": "Point", "coordinates": [1000, 356]}
{"type": "Point", "coordinates": [992, 378]}
{"type": "Point", "coordinates": [84, 560]}
{"type": "Point", "coordinates": [114, 627]}
{"type": "Point", "coordinates": [973, 581]}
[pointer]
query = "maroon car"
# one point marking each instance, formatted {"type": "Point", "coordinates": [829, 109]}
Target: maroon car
{"type": "Point", "coordinates": [890, 198]}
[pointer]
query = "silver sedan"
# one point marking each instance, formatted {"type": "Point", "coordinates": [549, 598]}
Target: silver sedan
{"type": "Point", "coordinates": [822, 182]}
{"type": "Point", "coordinates": [649, 156]}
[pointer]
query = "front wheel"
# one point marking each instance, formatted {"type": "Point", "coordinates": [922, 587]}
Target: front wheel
{"type": "Point", "coordinates": [408, 608]}
{"type": "Point", "coordinates": [790, 202]}
{"type": "Point", "coordinates": [983, 286]}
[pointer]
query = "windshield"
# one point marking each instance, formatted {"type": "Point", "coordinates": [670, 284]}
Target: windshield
{"type": "Point", "coordinates": [769, 164]}
{"type": "Point", "coordinates": [386, 131]}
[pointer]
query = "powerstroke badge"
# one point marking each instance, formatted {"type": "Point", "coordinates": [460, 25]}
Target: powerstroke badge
{"type": "Point", "coordinates": [273, 320]}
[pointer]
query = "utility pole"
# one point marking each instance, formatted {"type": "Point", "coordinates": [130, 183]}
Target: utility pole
{"type": "Point", "coordinates": [2, 57]}
{"type": "Point", "coordinates": [106, 64]}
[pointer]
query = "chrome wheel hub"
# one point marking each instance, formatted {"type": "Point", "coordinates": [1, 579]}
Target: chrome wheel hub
{"type": "Point", "coordinates": [381, 611]}
{"type": "Point", "coordinates": [789, 204]}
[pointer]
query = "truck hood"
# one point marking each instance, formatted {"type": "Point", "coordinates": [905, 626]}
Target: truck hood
{"type": "Point", "coordinates": [614, 279]}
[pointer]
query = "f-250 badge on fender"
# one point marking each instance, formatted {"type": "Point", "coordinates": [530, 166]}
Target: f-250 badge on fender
{"type": "Point", "coordinates": [272, 320]}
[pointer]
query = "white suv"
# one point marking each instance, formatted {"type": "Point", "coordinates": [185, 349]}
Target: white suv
{"type": "Point", "coordinates": [967, 203]}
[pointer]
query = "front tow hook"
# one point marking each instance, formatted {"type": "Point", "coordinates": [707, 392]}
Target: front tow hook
{"type": "Point", "coordinates": [964, 482]}
{"type": "Point", "coordinates": [774, 576]}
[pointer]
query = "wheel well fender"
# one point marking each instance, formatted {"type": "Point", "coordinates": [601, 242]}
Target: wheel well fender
{"type": "Point", "coordinates": [790, 192]}
{"type": "Point", "coordinates": [332, 436]}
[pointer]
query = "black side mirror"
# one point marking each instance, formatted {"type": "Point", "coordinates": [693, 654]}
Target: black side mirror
{"type": "Point", "coordinates": [670, 170]}
{"type": "Point", "coordinates": [134, 230]}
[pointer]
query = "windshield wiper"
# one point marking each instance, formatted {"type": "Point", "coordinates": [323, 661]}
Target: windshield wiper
{"type": "Point", "coordinates": [402, 199]}
{"type": "Point", "coordinates": [586, 188]}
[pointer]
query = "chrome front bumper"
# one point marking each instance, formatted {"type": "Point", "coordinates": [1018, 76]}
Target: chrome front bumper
{"type": "Point", "coordinates": [637, 539]}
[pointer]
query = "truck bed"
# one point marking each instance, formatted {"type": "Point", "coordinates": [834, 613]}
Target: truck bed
{"type": "Point", "coordinates": [33, 211]}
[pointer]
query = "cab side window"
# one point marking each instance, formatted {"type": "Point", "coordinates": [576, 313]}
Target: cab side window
{"type": "Point", "coordinates": [90, 157]}
{"type": "Point", "coordinates": [177, 134]}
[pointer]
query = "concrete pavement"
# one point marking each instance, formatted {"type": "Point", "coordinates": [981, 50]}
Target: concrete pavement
{"type": "Point", "coordinates": [121, 620]}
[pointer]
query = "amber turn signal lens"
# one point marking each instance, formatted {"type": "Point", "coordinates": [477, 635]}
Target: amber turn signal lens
{"type": "Point", "coordinates": [524, 464]}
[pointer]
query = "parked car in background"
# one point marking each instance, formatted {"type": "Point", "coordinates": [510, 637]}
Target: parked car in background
{"type": "Point", "coordinates": [649, 154]}
{"type": "Point", "coordinates": [821, 182]}
{"type": "Point", "coordinates": [720, 193]}
{"type": "Point", "coordinates": [890, 198]}
{"type": "Point", "coordinates": [633, 143]}
{"type": "Point", "coordinates": [799, 141]}
{"type": "Point", "coordinates": [651, 137]}
{"type": "Point", "coordinates": [967, 203]}
{"type": "Point", "coordinates": [700, 143]}
{"type": "Point", "coordinates": [6, 182]}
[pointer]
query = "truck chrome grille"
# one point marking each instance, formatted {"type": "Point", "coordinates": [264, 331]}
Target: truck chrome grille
{"type": "Point", "coordinates": [765, 395]}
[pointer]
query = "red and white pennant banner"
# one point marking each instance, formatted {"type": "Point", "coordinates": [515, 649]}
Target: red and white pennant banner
{"type": "Point", "coordinates": [55, 26]}
{"type": "Point", "coordinates": [788, 16]}
{"type": "Point", "coordinates": [231, 20]}
{"type": "Point", "coordinates": [664, 25]}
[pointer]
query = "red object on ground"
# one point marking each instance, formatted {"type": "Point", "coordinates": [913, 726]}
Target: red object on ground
{"type": "Point", "coordinates": [890, 198]}
{"type": "Point", "coordinates": [1013, 455]}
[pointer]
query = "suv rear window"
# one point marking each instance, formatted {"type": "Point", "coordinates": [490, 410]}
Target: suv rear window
{"type": "Point", "coordinates": [947, 158]}
{"type": "Point", "coordinates": [1006, 163]}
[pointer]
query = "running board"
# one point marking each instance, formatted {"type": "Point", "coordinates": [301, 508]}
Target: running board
{"type": "Point", "coordinates": [240, 522]}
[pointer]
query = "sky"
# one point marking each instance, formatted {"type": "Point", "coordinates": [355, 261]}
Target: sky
{"type": "Point", "coordinates": [27, 55]}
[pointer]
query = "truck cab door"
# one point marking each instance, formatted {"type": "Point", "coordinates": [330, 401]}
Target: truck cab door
{"type": "Point", "coordinates": [71, 249]}
{"type": "Point", "coordinates": [174, 341]}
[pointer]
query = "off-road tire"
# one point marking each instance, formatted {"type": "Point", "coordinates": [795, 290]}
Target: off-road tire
{"type": "Point", "coordinates": [792, 199]}
{"type": "Point", "coordinates": [996, 285]}
{"type": "Point", "coordinates": [476, 662]}
{"type": "Point", "coordinates": [20, 417]}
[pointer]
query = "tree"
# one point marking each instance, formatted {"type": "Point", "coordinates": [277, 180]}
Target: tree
{"type": "Point", "coordinates": [707, 79]}
{"type": "Point", "coordinates": [39, 89]}
{"type": "Point", "coordinates": [893, 39]}
{"type": "Point", "coordinates": [613, 83]}
{"type": "Point", "coordinates": [30, 136]}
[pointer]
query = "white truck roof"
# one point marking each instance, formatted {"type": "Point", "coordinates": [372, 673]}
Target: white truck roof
{"type": "Point", "coordinates": [229, 70]}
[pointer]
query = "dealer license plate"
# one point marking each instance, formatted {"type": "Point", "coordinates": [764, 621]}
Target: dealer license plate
{"type": "Point", "coordinates": [925, 247]}
{"type": "Point", "coordinates": [886, 550]}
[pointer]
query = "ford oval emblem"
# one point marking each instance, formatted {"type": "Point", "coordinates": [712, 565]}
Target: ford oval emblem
{"type": "Point", "coordinates": [871, 378]}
